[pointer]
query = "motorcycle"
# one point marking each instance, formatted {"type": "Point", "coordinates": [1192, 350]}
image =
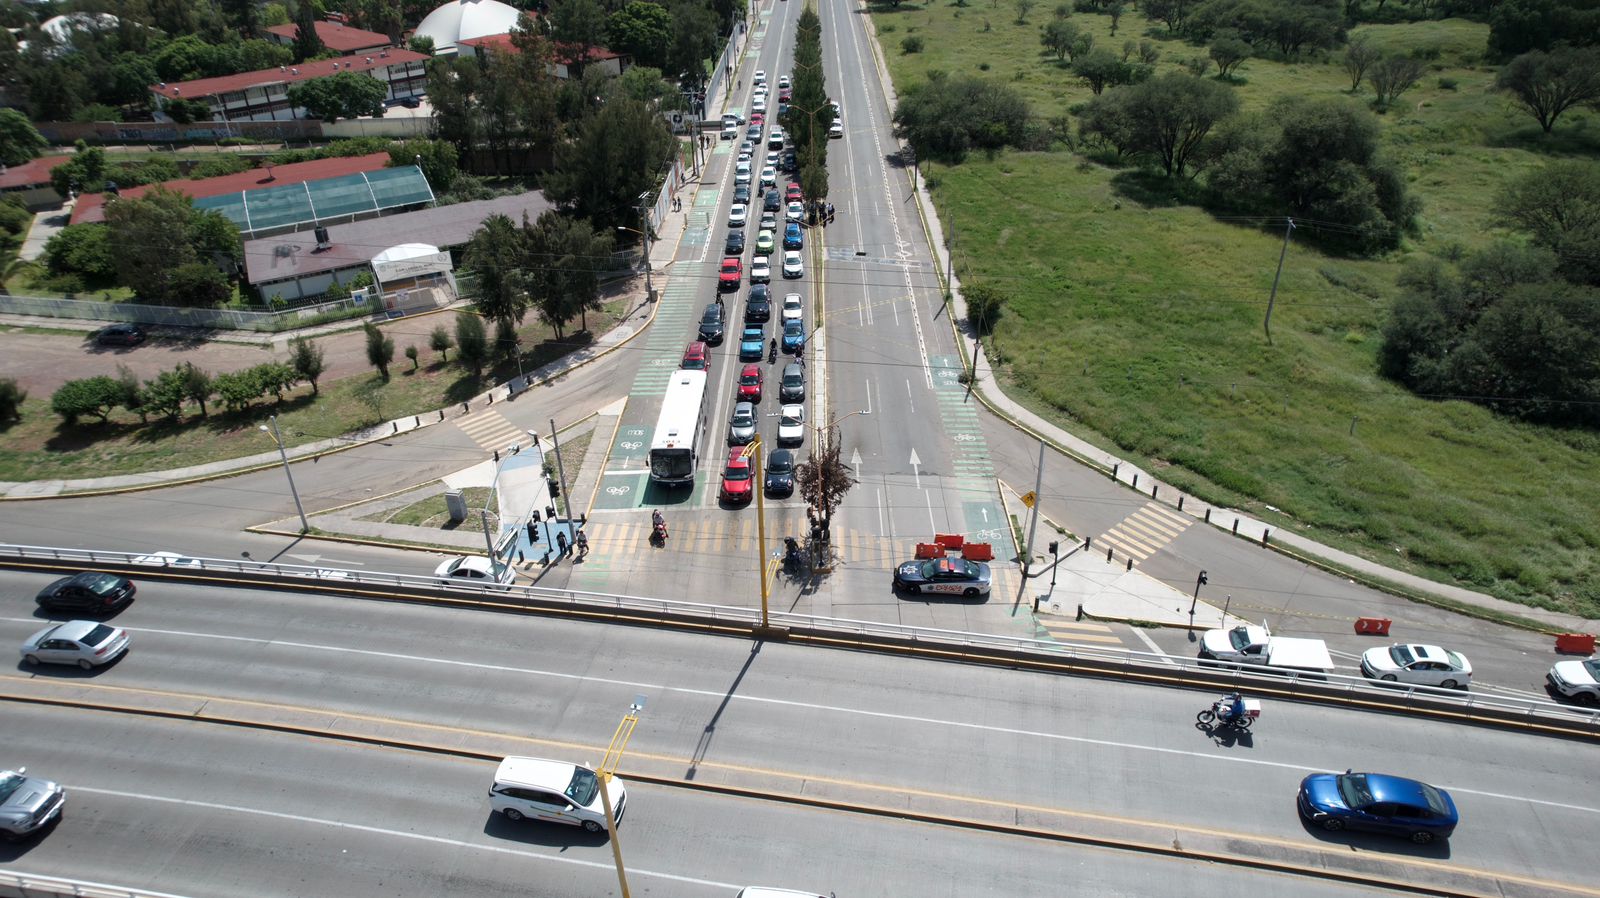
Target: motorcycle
{"type": "Point", "coordinates": [791, 555]}
{"type": "Point", "coordinates": [772, 352]}
{"type": "Point", "coordinates": [1223, 713]}
{"type": "Point", "coordinates": [658, 530]}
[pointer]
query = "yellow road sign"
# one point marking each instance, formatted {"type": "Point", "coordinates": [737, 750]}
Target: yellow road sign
{"type": "Point", "coordinates": [1029, 498]}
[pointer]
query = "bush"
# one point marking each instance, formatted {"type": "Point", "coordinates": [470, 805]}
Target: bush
{"type": "Point", "coordinates": [219, 165]}
{"type": "Point", "coordinates": [471, 342]}
{"type": "Point", "coordinates": [90, 396]}
{"type": "Point", "coordinates": [1448, 83]}
{"type": "Point", "coordinates": [237, 389]}
{"type": "Point", "coordinates": [82, 249]}
{"type": "Point", "coordinates": [911, 43]}
{"type": "Point", "coordinates": [11, 399]}
{"type": "Point", "coordinates": [200, 285]}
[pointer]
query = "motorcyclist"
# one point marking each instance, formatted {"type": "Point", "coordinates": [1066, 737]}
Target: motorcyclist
{"type": "Point", "coordinates": [658, 524]}
{"type": "Point", "coordinates": [1235, 705]}
{"type": "Point", "coordinates": [772, 351]}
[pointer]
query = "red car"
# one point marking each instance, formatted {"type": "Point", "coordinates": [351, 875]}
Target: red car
{"type": "Point", "coordinates": [736, 480]}
{"type": "Point", "coordinates": [730, 275]}
{"type": "Point", "coordinates": [785, 95]}
{"type": "Point", "coordinates": [696, 357]}
{"type": "Point", "coordinates": [758, 119]}
{"type": "Point", "coordinates": [792, 195]}
{"type": "Point", "coordinates": [750, 383]}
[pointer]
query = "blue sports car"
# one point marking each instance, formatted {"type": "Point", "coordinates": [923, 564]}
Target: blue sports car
{"type": "Point", "coordinates": [1378, 802]}
{"type": "Point", "coordinates": [752, 343]}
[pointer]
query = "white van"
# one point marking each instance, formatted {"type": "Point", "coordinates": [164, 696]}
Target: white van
{"type": "Point", "coordinates": [536, 789]}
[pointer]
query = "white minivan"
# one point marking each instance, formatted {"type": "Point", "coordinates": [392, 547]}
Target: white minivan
{"type": "Point", "coordinates": [536, 789]}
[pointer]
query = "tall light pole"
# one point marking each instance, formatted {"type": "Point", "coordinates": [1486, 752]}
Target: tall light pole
{"type": "Point", "coordinates": [305, 526]}
{"type": "Point", "coordinates": [752, 451]}
{"type": "Point", "coordinates": [648, 289]}
{"type": "Point", "coordinates": [608, 766]}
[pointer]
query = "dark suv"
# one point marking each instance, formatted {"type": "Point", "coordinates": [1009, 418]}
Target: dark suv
{"type": "Point", "coordinates": [772, 202]}
{"type": "Point", "coordinates": [713, 324]}
{"type": "Point", "coordinates": [758, 307]}
{"type": "Point", "coordinates": [735, 244]}
{"type": "Point", "coordinates": [88, 591]}
{"type": "Point", "coordinates": [792, 388]}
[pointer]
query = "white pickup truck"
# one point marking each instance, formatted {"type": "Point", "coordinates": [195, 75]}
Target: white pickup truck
{"type": "Point", "coordinates": [1250, 644]}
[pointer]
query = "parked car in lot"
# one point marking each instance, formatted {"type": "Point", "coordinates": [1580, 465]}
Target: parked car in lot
{"type": "Point", "coordinates": [1377, 802]}
{"type": "Point", "coordinates": [1420, 665]}
{"type": "Point", "coordinates": [27, 803]}
{"type": "Point", "coordinates": [949, 576]}
{"type": "Point", "coordinates": [779, 480]}
{"type": "Point", "coordinates": [742, 424]}
{"type": "Point", "coordinates": [1577, 680]}
{"type": "Point", "coordinates": [86, 643]}
{"type": "Point", "coordinates": [736, 477]}
{"type": "Point", "coordinates": [89, 591]}
{"type": "Point", "coordinates": [120, 335]}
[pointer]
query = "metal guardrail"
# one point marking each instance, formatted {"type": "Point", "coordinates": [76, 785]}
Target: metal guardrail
{"type": "Point", "coordinates": [1350, 690]}
{"type": "Point", "coordinates": [29, 885]}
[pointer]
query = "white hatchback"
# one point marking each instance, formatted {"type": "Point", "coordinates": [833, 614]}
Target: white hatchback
{"type": "Point", "coordinates": [791, 425]}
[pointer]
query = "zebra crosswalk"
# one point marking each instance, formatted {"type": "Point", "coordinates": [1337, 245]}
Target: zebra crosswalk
{"type": "Point", "coordinates": [491, 431]}
{"type": "Point", "coordinates": [1063, 629]}
{"type": "Point", "coordinates": [1145, 532]}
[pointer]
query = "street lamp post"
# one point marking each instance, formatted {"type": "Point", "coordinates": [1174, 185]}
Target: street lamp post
{"type": "Point", "coordinates": [1198, 582]}
{"type": "Point", "coordinates": [305, 526]}
{"type": "Point", "coordinates": [648, 289]}
{"type": "Point", "coordinates": [752, 451]}
{"type": "Point", "coordinates": [608, 766]}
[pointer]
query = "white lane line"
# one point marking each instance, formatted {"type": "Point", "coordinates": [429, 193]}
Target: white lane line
{"type": "Point", "coordinates": [398, 834]}
{"type": "Point", "coordinates": [1151, 644]}
{"type": "Point", "coordinates": [721, 695]}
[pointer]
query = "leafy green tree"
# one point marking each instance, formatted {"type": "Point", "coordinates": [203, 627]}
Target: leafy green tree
{"type": "Point", "coordinates": [307, 45]}
{"type": "Point", "coordinates": [565, 256]}
{"type": "Point", "coordinates": [984, 305]}
{"type": "Point", "coordinates": [421, 43]}
{"type": "Point", "coordinates": [243, 15]}
{"type": "Point", "coordinates": [237, 389]}
{"type": "Point", "coordinates": [258, 55]}
{"type": "Point", "coordinates": [380, 349]}
{"type": "Point", "coordinates": [643, 31]}
{"type": "Point", "coordinates": [20, 141]}
{"type": "Point", "coordinates": [693, 40]}
{"type": "Point", "coordinates": [276, 378]}
{"type": "Point", "coordinates": [1359, 55]}
{"type": "Point", "coordinates": [1517, 26]}
{"type": "Point", "coordinates": [1559, 207]}
{"type": "Point", "coordinates": [198, 285]}
{"type": "Point", "coordinates": [132, 397]}
{"type": "Point", "coordinates": [128, 80]}
{"type": "Point", "coordinates": [197, 386]}
{"type": "Point", "coordinates": [185, 111]}
{"type": "Point", "coordinates": [95, 396]}
{"type": "Point", "coordinates": [1058, 36]}
{"type": "Point", "coordinates": [411, 353]}
{"type": "Point", "coordinates": [150, 240]}
{"type": "Point", "coordinates": [1023, 8]}
{"type": "Point", "coordinates": [439, 341]}
{"type": "Point", "coordinates": [1173, 13]}
{"type": "Point", "coordinates": [947, 117]}
{"type": "Point", "coordinates": [440, 161]}
{"type": "Point", "coordinates": [495, 257]}
{"type": "Point", "coordinates": [307, 359]}
{"type": "Point", "coordinates": [814, 183]}
{"type": "Point", "coordinates": [83, 249]}
{"type": "Point", "coordinates": [1392, 76]}
{"type": "Point", "coordinates": [85, 172]}
{"type": "Point", "coordinates": [11, 399]}
{"type": "Point", "coordinates": [1101, 68]}
{"type": "Point", "coordinates": [1545, 85]}
{"type": "Point", "coordinates": [471, 342]}
{"type": "Point", "coordinates": [1168, 118]}
{"type": "Point", "coordinates": [164, 395]}
{"type": "Point", "coordinates": [580, 24]}
{"type": "Point", "coordinates": [1229, 51]}
{"type": "Point", "coordinates": [614, 158]}
{"type": "Point", "coordinates": [345, 95]}
{"type": "Point", "coordinates": [1115, 11]}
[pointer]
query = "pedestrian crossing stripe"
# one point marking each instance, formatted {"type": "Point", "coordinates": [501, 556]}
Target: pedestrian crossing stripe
{"type": "Point", "coordinates": [1146, 531]}
{"type": "Point", "coordinates": [491, 431]}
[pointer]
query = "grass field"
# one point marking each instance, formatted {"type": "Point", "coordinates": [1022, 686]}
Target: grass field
{"type": "Point", "coordinates": [1137, 322]}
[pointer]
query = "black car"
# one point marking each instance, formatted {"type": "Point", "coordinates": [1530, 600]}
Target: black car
{"type": "Point", "coordinates": [788, 163]}
{"type": "Point", "coordinates": [741, 194]}
{"type": "Point", "coordinates": [735, 244]}
{"type": "Point", "coordinates": [758, 307]}
{"type": "Point", "coordinates": [779, 480]}
{"type": "Point", "coordinates": [713, 324]}
{"type": "Point", "coordinates": [88, 591]}
{"type": "Point", "coordinates": [772, 202]}
{"type": "Point", "coordinates": [121, 335]}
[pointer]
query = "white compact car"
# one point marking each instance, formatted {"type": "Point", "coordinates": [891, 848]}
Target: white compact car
{"type": "Point", "coordinates": [792, 266]}
{"type": "Point", "coordinates": [1421, 665]}
{"type": "Point", "coordinates": [793, 307]}
{"type": "Point", "coordinates": [791, 425]}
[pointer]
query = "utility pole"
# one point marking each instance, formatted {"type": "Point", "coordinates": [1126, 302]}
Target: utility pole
{"type": "Point", "coordinates": [1267, 324]}
{"type": "Point", "coordinates": [1038, 484]}
{"type": "Point", "coordinates": [305, 526]}
{"type": "Point", "coordinates": [561, 472]}
{"type": "Point", "coordinates": [644, 232]}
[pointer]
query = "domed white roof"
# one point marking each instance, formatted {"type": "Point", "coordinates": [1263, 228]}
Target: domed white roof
{"type": "Point", "coordinates": [461, 19]}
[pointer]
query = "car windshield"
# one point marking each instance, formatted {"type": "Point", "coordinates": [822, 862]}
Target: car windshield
{"type": "Point", "coordinates": [738, 473]}
{"type": "Point", "coordinates": [1354, 790]}
{"type": "Point", "coordinates": [9, 783]}
{"type": "Point", "coordinates": [99, 634]}
{"type": "Point", "coordinates": [583, 788]}
{"type": "Point", "coordinates": [1456, 660]}
{"type": "Point", "coordinates": [1593, 667]}
{"type": "Point", "coordinates": [743, 418]}
{"type": "Point", "coordinates": [777, 465]}
{"type": "Point", "coordinates": [1239, 638]}
{"type": "Point", "coordinates": [790, 421]}
{"type": "Point", "coordinates": [99, 584]}
{"type": "Point", "coordinates": [1401, 655]}
{"type": "Point", "coordinates": [671, 464]}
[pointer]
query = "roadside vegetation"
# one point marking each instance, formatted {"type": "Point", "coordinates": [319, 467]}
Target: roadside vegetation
{"type": "Point", "coordinates": [1126, 268]}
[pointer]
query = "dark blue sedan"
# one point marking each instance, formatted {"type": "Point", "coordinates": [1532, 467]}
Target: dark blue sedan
{"type": "Point", "coordinates": [794, 336]}
{"type": "Point", "coordinates": [1380, 803]}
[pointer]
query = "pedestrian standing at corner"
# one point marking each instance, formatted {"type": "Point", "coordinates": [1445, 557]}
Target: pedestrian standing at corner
{"type": "Point", "coordinates": [561, 544]}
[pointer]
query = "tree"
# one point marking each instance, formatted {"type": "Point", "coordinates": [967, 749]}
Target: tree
{"type": "Point", "coordinates": [439, 160]}
{"type": "Point", "coordinates": [1058, 36]}
{"type": "Point", "coordinates": [1101, 68]}
{"type": "Point", "coordinates": [1392, 76]}
{"type": "Point", "coordinates": [1559, 206]}
{"type": "Point", "coordinates": [89, 396]}
{"type": "Point", "coordinates": [1359, 55]}
{"type": "Point", "coordinates": [237, 389]}
{"type": "Point", "coordinates": [411, 353]}
{"type": "Point", "coordinates": [824, 480]}
{"type": "Point", "coordinates": [642, 30]}
{"type": "Point", "coordinates": [1229, 51]}
{"type": "Point", "coordinates": [345, 95]}
{"type": "Point", "coordinates": [1517, 26]}
{"type": "Point", "coordinates": [439, 341]}
{"type": "Point", "coordinates": [197, 285]}
{"type": "Point", "coordinates": [496, 258]}
{"type": "Point", "coordinates": [1547, 84]}
{"type": "Point", "coordinates": [85, 172]}
{"type": "Point", "coordinates": [814, 183]}
{"type": "Point", "coordinates": [307, 45]}
{"type": "Point", "coordinates": [1023, 8]}
{"type": "Point", "coordinates": [11, 399]}
{"type": "Point", "coordinates": [947, 117]}
{"type": "Point", "coordinates": [614, 158]}
{"type": "Point", "coordinates": [472, 342]}
{"type": "Point", "coordinates": [150, 240]}
{"type": "Point", "coordinates": [1174, 13]}
{"type": "Point", "coordinates": [1115, 11]}
{"type": "Point", "coordinates": [380, 349]}
{"type": "Point", "coordinates": [693, 40]}
{"type": "Point", "coordinates": [1168, 117]}
{"type": "Point", "coordinates": [20, 141]}
{"type": "Point", "coordinates": [984, 304]}
{"type": "Point", "coordinates": [83, 249]}
{"type": "Point", "coordinates": [132, 398]}
{"type": "Point", "coordinates": [307, 359]}
{"type": "Point", "coordinates": [420, 43]}
{"type": "Point", "coordinates": [565, 257]}
{"type": "Point", "coordinates": [580, 24]}
{"type": "Point", "coordinates": [197, 385]}
{"type": "Point", "coordinates": [164, 394]}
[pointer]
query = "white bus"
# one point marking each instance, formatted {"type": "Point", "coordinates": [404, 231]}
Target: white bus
{"type": "Point", "coordinates": [675, 447]}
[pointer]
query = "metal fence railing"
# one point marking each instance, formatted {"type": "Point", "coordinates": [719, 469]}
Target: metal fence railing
{"type": "Point", "coordinates": [173, 316]}
{"type": "Point", "coordinates": [34, 885]}
{"type": "Point", "coordinates": [1353, 690]}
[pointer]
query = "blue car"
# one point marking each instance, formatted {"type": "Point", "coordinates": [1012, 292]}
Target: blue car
{"type": "Point", "coordinates": [1378, 802]}
{"type": "Point", "coordinates": [752, 343]}
{"type": "Point", "coordinates": [791, 234]}
{"type": "Point", "coordinates": [794, 335]}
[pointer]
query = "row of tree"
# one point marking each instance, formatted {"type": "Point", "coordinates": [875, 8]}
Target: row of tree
{"type": "Point", "coordinates": [551, 265]}
{"type": "Point", "coordinates": [810, 115]}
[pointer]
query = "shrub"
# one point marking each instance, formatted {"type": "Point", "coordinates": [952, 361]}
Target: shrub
{"type": "Point", "coordinates": [237, 389]}
{"type": "Point", "coordinates": [11, 399]}
{"type": "Point", "coordinates": [1448, 83]}
{"type": "Point", "coordinates": [89, 396]}
{"type": "Point", "coordinates": [471, 342]}
{"type": "Point", "coordinates": [911, 43]}
{"type": "Point", "coordinates": [439, 341]}
{"type": "Point", "coordinates": [198, 284]}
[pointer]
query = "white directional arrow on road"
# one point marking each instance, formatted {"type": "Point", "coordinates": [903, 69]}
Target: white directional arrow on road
{"type": "Point", "coordinates": [855, 461]}
{"type": "Point", "coordinates": [914, 472]}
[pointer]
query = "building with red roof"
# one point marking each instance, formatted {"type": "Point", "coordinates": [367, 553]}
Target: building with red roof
{"type": "Point", "coordinates": [336, 36]}
{"type": "Point", "coordinates": [563, 59]}
{"type": "Point", "coordinates": [264, 95]}
{"type": "Point", "coordinates": [32, 180]}
{"type": "Point", "coordinates": [91, 206]}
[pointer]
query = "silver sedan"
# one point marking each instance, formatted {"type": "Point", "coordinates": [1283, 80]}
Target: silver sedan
{"type": "Point", "coordinates": [85, 643]}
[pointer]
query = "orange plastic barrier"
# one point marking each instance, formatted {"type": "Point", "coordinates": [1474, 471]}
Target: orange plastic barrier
{"type": "Point", "coordinates": [950, 540]}
{"type": "Point", "coordinates": [1374, 626]}
{"type": "Point", "coordinates": [930, 550]}
{"type": "Point", "coordinates": [1575, 643]}
{"type": "Point", "coordinates": [978, 552]}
